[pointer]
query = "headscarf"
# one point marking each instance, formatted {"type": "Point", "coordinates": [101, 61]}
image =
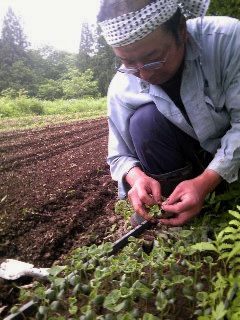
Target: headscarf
{"type": "Point", "coordinates": [134, 26]}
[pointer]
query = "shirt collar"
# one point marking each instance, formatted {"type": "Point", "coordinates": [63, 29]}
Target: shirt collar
{"type": "Point", "coordinates": [192, 48]}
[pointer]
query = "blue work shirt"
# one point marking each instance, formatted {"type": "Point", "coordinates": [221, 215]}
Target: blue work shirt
{"type": "Point", "coordinates": [210, 92]}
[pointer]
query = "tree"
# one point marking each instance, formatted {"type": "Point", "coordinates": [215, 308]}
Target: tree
{"type": "Point", "coordinates": [50, 90]}
{"type": "Point", "coordinates": [97, 55]}
{"type": "Point", "coordinates": [86, 47]}
{"type": "Point", "coordinates": [13, 53]}
{"type": "Point", "coordinates": [13, 39]}
{"type": "Point", "coordinates": [54, 63]}
{"type": "Point", "coordinates": [104, 64]}
{"type": "Point", "coordinates": [79, 85]}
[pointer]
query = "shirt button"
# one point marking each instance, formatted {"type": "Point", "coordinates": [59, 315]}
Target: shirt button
{"type": "Point", "coordinates": [144, 85]}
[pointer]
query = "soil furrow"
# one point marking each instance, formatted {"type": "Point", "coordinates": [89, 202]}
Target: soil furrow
{"type": "Point", "coordinates": [40, 139]}
{"type": "Point", "coordinates": [58, 198]}
{"type": "Point", "coordinates": [9, 135]}
{"type": "Point", "coordinates": [22, 160]}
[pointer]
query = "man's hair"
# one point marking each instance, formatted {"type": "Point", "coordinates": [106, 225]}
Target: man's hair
{"type": "Point", "coordinates": [113, 8]}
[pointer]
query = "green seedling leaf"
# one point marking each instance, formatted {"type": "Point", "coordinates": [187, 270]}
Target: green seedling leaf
{"type": "Point", "coordinates": [118, 307]}
{"type": "Point", "coordinates": [185, 233]}
{"type": "Point", "coordinates": [55, 305]}
{"type": "Point", "coordinates": [60, 282]}
{"type": "Point", "coordinates": [126, 316]}
{"type": "Point", "coordinates": [149, 316]}
{"type": "Point", "coordinates": [54, 271]}
{"type": "Point", "coordinates": [112, 299]}
{"type": "Point", "coordinates": [202, 296]}
{"type": "Point", "coordinates": [141, 288]}
{"type": "Point", "coordinates": [43, 310]}
{"type": "Point", "coordinates": [219, 312]}
{"type": "Point", "coordinates": [161, 301]}
{"type": "Point", "coordinates": [125, 292]}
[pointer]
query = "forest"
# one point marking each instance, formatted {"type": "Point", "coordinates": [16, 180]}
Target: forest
{"type": "Point", "coordinates": [50, 74]}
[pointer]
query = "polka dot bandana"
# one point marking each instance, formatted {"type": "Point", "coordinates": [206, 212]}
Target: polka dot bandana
{"type": "Point", "coordinates": [133, 26]}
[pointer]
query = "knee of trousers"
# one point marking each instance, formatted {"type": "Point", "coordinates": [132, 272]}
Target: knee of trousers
{"type": "Point", "coordinates": [145, 120]}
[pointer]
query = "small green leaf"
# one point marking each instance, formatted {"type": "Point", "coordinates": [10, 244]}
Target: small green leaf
{"type": "Point", "coordinates": [234, 251]}
{"type": "Point", "coordinates": [235, 214]}
{"type": "Point", "coordinates": [204, 246]}
{"type": "Point", "coordinates": [219, 312]}
{"type": "Point", "coordinates": [234, 223]}
{"type": "Point", "coordinates": [54, 271]}
{"type": "Point", "coordinates": [149, 316]}
{"type": "Point", "coordinates": [112, 299]}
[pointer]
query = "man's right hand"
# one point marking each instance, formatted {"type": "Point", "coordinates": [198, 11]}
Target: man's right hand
{"type": "Point", "coordinates": [144, 191]}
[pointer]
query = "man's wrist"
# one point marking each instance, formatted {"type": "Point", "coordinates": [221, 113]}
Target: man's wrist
{"type": "Point", "coordinates": [133, 174]}
{"type": "Point", "coordinates": [208, 181]}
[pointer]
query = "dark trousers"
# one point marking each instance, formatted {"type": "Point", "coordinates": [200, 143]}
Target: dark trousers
{"type": "Point", "coordinates": [161, 146]}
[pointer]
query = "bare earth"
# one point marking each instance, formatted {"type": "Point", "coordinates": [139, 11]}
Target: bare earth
{"type": "Point", "coordinates": [56, 192]}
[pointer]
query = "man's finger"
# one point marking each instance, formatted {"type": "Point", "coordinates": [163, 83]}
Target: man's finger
{"type": "Point", "coordinates": [174, 222]}
{"type": "Point", "coordinates": [177, 207]}
{"type": "Point", "coordinates": [146, 198]}
{"type": "Point", "coordinates": [156, 193]}
{"type": "Point", "coordinates": [139, 208]}
{"type": "Point", "coordinates": [179, 220]}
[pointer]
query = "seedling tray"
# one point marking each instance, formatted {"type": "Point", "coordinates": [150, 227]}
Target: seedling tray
{"type": "Point", "coordinates": [30, 308]}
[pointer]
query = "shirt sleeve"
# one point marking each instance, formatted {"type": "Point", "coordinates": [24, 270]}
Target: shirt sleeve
{"type": "Point", "coordinates": [121, 152]}
{"type": "Point", "coordinates": [120, 158]}
{"type": "Point", "coordinates": [226, 161]}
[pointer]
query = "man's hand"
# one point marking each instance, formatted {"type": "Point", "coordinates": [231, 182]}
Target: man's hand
{"type": "Point", "coordinates": [144, 191]}
{"type": "Point", "coordinates": [187, 199]}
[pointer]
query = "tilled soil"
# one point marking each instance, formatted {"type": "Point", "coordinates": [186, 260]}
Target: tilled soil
{"type": "Point", "coordinates": [56, 192]}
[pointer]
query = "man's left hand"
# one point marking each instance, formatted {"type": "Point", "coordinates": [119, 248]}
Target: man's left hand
{"type": "Point", "coordinates": [186, 201]}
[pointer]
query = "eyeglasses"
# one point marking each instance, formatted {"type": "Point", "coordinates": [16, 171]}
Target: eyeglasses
{"type": "Point", "coordinates": [134, 70]}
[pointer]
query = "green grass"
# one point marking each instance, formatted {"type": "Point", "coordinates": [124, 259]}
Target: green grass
{"type": "Point", "coordinates": [25, 113]}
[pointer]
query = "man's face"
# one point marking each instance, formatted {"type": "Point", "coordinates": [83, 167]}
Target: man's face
{"type": "Point", "coordinates": [158, 46]}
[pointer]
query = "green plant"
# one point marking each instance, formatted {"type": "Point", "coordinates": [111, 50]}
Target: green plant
{"type": "Point", "coordinates": [181, 270]}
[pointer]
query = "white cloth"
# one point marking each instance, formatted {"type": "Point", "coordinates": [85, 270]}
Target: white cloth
{"type": "Point", "coordinates": [134, 26]}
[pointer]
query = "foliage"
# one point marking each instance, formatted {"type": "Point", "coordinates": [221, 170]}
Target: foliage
{"type": "Point", "coordinates": [41, 72]}
{"type": "Point", "coordinates": [13, 57]}
{"type": "Point", "coordinates": [79, 85]}
{"type": "Point", "coordinates": [183, 276]}
{"type": "Point", "coordinates": [96, 54]}
{"type": "Point", "coordinates": [229, 8]}
{"type": "Point", "coordinates": [22, 105]}
{"type": "Point", "coordinates": [50, 90]}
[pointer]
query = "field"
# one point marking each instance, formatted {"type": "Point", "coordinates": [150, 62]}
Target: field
{"type": "Point", "coordinates": [56, 190]}
{"type": "Point", "coordinates": [57, 197]}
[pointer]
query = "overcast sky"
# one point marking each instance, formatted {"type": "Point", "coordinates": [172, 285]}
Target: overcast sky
{"type": "Point", "coordinates": [52, 22]}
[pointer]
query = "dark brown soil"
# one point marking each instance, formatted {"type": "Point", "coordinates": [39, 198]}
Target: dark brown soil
{"type": "Point", "coordinates": [56, 192]}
